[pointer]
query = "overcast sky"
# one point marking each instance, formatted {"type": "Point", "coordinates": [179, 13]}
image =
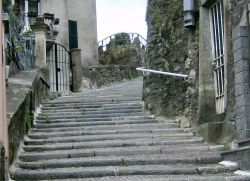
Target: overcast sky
{"type": "Point", "coordinates": [115, 16]}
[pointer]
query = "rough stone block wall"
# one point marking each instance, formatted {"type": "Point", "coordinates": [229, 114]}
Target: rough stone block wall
{"type": "Point", "coordinates": [242, 90]}
{"type": "Point", "coordinates": [3, 165]}
{"type": "Point", "coordinates": [98, 76]}
{"type": "Point", "coordinates": [171, 48]}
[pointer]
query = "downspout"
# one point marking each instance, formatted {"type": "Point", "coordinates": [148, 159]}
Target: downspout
{"type": "Point", "coordinates": [26, 18]}
{"type": "Point", "coordinates": [189, 11]}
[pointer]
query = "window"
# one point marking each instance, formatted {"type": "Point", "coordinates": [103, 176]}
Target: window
{"type": "Point", "coordinates": [217, 29]}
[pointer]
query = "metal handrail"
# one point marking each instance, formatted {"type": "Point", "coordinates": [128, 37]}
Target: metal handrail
{"type": "Point", "coordinates": [143, 69]}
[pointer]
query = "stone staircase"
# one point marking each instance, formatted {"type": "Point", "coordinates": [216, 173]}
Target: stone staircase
{"type": "Point", "coordinates": [104, 135]}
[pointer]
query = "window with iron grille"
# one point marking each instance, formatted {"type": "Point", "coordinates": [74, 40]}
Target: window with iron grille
{"type": "Point", "coordinates": [217, 29]}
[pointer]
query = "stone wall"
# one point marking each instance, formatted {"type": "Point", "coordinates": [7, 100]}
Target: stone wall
{"type": "Point", "coordinates": [241, 65]}
{"type": "Point", "coordinates": [171, 48]}
{"type": "Point", "coordinates": [24, 94]}
{"type": "Point", "coordinates": [98, 76]}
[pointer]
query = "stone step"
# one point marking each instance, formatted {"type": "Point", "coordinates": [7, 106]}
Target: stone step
{"type": "Point", "coordinates": [165, 159]}
{"type": "Point", "coordinates": [84, 138]}
{"type": "Point", "coordinates": [120, 111]}
{"type": "Point", "coordinates": [68, 120]}
{"type": "Point", "coordinates": [101, 115]}
{"type": "Point", "coordinates": [244, 143]}
{"type": "Point", "coordinates": [110, 143]}
{"type": "Point", "coordinates": [240, 155]}
{"type": "Point", "coordinates": [101, 96]}
{"type": "Point", "coordinates": [115, 151]}
{"type": "Point", "coordinates": [103, 108]}
{"type": "Point", "coordinates": [88, 105]}
{"type": "Point", "coordinates": [86, 172]}
{"type": "Point", "coordinates": [41, 135]}
{"type": "Point", "coordinates": [109, 127]}
{"type": "Point", "coordinates": [92, 101]}
{"type": "Point", "coordinates": [203, 177]}
{"type": "Point", "coordinates": [95, 123]}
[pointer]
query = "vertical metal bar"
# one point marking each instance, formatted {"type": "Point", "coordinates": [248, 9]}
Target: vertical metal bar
{"type": "Point", "coordinates": [56, 66]}
{"type": "Point", "coordinates": [248, 29]}
{"type": "Point", "coordinates": [53, 68]}
{"type": "Point", "coordinates": [71, 71]}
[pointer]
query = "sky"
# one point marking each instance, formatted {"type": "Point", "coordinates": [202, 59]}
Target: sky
{"type": "Point", "coordinates": [114, 16]}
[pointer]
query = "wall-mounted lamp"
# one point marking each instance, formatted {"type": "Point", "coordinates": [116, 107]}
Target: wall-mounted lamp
{"type": "Point", "coordinates": [189, 18]}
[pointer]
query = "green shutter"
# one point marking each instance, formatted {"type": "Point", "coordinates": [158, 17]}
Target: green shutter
{"type": "Point", "coordinates": [73, 37]}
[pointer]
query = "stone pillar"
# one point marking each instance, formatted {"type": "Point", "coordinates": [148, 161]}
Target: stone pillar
{"type": "Point", "coordinates": [40, 45]}
{"type": "Point", "coordinates": [242, 79]}
{"type": "Point", "coordinates": [76, 69]}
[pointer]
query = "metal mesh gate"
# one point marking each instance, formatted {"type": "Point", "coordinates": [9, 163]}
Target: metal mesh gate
{"type": "Point", "coordinates": [60, 69]}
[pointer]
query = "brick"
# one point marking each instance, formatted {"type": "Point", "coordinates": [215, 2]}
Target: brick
{"type": "Point", "coordinates": [242, 77]}
{"type": "Point", "coordinates": [241, 42]}
{"type": "Point", "coordinates": [240, 31]}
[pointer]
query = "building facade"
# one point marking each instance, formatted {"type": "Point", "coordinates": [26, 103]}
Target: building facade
{"type": "Point", "coordinates": [77, 27]}
{"type": "Point", "coordinates": [210, 43]}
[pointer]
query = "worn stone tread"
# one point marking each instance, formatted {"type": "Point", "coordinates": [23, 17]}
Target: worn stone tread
{"type": "Point", "coordinates": [105, 135]}
{"type": "Point", "coordinates": [54, 134]}
{"type": "Point", "coordinates": [79, 172]}
{"type": "Point", "coordinates": [154, 159]}
{"type": "Point", "coordinates": [207, 177]}
{"type": "Point", "coordinates": [110, 143]}
{"type": "Point", "coordinates": [108, 127]}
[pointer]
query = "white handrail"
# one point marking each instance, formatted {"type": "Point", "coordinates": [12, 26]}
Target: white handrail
{"type": "Point", "coordinates": [161, 72]}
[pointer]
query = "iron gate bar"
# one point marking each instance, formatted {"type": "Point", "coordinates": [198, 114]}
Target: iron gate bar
{"type": "Point", "coordinates": [61, 69]}
{"type": "Point", "coordinates": [56, 66]}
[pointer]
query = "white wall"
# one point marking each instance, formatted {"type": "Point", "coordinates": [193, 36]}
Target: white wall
{"type": "Point", "coordinates": [82, 11]}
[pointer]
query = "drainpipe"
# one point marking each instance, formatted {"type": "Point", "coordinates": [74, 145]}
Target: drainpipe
{"type": "Point", "coordinates": [189, 19]}
{"type": "Point", "coordinates": [26, 18]}
{"type": "Point", "coordinates": [39, 8]}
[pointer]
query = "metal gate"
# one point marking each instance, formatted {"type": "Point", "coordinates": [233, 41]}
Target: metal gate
{"type": "Point", "coordinates": [217, 17]}
{"type": "Point", "coordinates": [61, 76]}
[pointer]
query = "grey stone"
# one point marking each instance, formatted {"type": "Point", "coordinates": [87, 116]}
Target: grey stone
{"type": "Point", "coordinates": [242, 112]}
{"type": "Point", "coordinates": [240, 31]}
{"type": "Point", "coordinates": [241, 42]}
{"type": "Point", "coordinates": [242, 77]}
{"type": "Point", "coordinates": [241, 65]}
{"type": "Point", "coordinates": [242, 100]}
{"type": "Point", "coordinates": [241, 54]}
{"type": "Point", "coordinates": [242, 89]}
{"type": "Point", "coordinates": [120, 142]}
{"type": "Point", "coordinates": [241, 124]}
